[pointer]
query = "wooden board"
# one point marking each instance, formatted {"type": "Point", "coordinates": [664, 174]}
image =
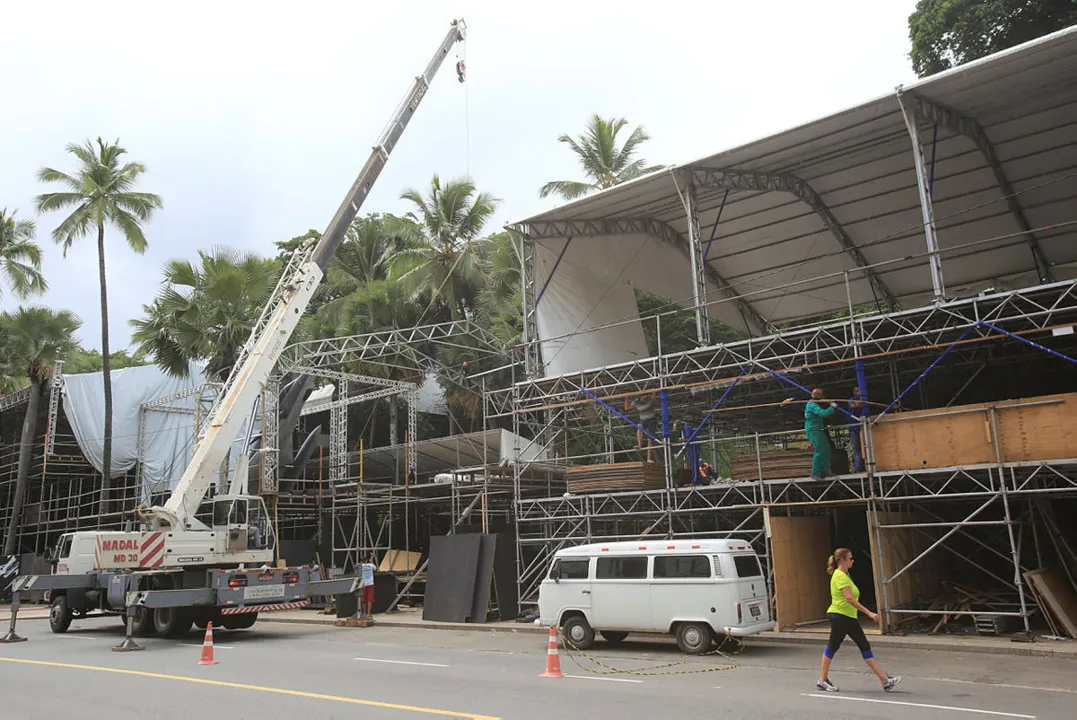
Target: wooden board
{"type": "Point", "coordinates": [799, 547]}
{"type": "Point", "coordinates": [893, 549]}
{"type": "Point", "coordinates": [400, 561]}
{"type": "Point", "coordinates": [929, 439]}
{"type": "Point", "coordinates": [1058, 595]}
{"type": "Point", "coordinates": [615, 477]}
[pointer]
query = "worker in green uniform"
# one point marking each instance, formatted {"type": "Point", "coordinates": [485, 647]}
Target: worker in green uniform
{"type": "Point", "coordinates": [814, 425]}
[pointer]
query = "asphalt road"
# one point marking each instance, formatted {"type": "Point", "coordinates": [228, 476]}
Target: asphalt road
{"type": "Point", "coordinates": [318, 672]}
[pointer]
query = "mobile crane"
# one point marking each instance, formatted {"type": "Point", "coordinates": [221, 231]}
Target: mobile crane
{"type": "Point", "coordinates": [178, 570]}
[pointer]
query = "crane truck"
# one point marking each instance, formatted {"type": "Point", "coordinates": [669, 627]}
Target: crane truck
{"type": "Point", "coordinates": [179, 570]}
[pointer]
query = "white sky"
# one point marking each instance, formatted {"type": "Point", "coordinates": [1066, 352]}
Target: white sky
{"type": "Point", "coordinates": [254, 122]}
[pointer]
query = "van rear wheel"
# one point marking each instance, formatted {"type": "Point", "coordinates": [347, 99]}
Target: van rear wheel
{"type": "Point", "coordinates": [578, 632]}
{"type": "Point", "coordinates": [694, 638]}
{"type": "Point", "coordinates": [613, 637]}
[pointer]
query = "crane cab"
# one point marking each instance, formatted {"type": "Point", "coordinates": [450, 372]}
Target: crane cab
{"type": "Point", "coordinates": [242, 523]}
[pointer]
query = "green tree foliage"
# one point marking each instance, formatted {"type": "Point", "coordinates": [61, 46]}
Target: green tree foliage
{"type": "Point", "coordinates": [205, 311]}
{"type": "Point", "coordinates": [434, 254]}
{"type": "Point", "coordinates": [31, 339]}
{"type": "Point", "coordinates": [79, 360]}
{"type": "Point", "coordinates": [604, 164]}
{"type": "Point", "coordinates": [948, 33]}
{"type": "Point", "coordinates": [20, 256]}
{"type": "Point", "coordinates": [102, 193]}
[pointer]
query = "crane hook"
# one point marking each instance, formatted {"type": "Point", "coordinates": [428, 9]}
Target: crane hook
{"type": "Point", "coordinates": [461, 70]}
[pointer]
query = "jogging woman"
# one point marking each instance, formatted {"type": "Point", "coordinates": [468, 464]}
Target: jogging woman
{"type": "Point", "coordinates": [844, 620]}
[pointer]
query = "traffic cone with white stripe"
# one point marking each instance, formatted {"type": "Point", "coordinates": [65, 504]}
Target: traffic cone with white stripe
{"type": "Point", "coordinates": [553, 660]}
{"type": "Point", "coordinates": [207, 647]}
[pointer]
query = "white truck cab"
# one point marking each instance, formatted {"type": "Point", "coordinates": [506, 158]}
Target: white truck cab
{"type": "Point", "coordinates": [693, 589]}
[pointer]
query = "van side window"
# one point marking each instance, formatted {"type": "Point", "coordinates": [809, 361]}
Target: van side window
{"type": "Point", "coordinates": [571, 569]}
{"type": "Point", "coordinates": [747, 566]}
{"type": "Point", "coordinates": [682, 566]}
{"type": "Point", "coordinates": [621, 568]}
{"type": "Point", "coordinates": [65, 547]}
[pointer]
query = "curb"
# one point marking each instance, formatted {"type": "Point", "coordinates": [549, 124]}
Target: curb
{"type": "Point", "coordinates": [1018, 649]}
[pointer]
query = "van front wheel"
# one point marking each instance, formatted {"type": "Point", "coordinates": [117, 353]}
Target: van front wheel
{"type": "Point", "coordinates": [578, 632]}
{"type": "Point", "coordinates": [694, 638]}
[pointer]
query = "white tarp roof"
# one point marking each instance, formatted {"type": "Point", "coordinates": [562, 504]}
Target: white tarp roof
{"type": "Point", "coordinates": [169, 436]}
{"type": "Point", "coordinates": [859, 164]}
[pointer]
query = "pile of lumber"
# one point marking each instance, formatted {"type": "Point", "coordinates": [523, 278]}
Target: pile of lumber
{"type": "Point", "coordinates": [615, 477]}
{"type": "Point", "coordinates": [776, 465]}
{"type": "Point", "coordinates": [959, 602]}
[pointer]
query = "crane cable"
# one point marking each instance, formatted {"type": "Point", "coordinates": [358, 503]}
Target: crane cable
{"type": "Point", "coordinates": [461, 74]}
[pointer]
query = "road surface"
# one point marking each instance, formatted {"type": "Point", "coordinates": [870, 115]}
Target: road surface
{"type": "Point", "coordinates": [324, 672]}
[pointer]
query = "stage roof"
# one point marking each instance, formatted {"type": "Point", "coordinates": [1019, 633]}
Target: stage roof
{"type": "Point", "coordinates": [783, 218]}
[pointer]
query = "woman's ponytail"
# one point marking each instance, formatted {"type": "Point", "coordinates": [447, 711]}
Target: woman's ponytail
{"type": "Point", "coordinates": [837, 556]}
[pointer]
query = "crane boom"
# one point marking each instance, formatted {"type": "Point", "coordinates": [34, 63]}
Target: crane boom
{"type": "Point", "coordinates": [283, 312]}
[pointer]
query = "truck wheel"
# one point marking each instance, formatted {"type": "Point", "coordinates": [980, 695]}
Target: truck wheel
{"type": "Point", "coordinates": [172, 622]}
{"type": "Point", "coordinates": [241, 621]}
{"type": "Point", "coordinates": [578, 632]}
{"type": "Point", "coordinates": [613, 637]}
{"type": "Point", "coordinates": [59, 614]}
{"type": "Point", "coordinates": [143, 622]}
{"type": "Point", "coordinates": [694, 638]}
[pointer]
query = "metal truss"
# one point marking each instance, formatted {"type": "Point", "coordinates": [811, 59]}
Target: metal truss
{"type": "Point", "coordinates": [695, 249]}
{"type": "Point", "coordinates": [873, 338]}
{"type": "Point", "coordinates": [381, 348]}
{"type": "Point", "coordinates": [644, 226]}
{"type": "Point", "coordinates": [56, 389]}
{"type": "Point", "coordinates": [165, 404]}
{"type": "Point", "coordinates": [786, 182]}
{"type": "Point", "coordinates": [338, 436]}
{"type": "Point", "coordinates": [269, 449]}
{"type": "Point", "coordinates": [933, 113]}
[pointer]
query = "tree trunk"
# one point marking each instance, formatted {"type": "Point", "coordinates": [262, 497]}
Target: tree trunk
{"type": "Point", "coordinates": [26, 448]}
{"type": "Point", "coordinates": [106, 371]}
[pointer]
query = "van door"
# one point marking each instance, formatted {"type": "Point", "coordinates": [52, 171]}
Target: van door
{"type": "Point", "coordinates": [568, 587]}
{"type": "Point", "coordinates": [621, 594]}
{"type": "Point", "coordinates": [751, 587]}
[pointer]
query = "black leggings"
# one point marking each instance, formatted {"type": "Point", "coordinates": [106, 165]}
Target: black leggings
{"type": "Point", "coordinates": [842, 625]}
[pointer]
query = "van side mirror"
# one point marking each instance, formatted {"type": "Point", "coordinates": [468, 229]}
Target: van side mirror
{"type": "Point", "coordinates": [555, 574]}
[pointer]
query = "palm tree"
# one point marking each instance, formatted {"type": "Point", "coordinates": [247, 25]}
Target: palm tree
{"type": "Point", "coordinates": [31, 339]}
{"type": "Point", "coordinates": [205, 311]}
{"type": "Point", "coordinates": [603, 163]}
{"type": "Point", "coordinates": [433, 254]}
{"type": "Point", "coordinates": [20, 256]}
{"type": "Point", "coordinates": [500, 302]}
{"type": "Point", "coordinates": [102, 193]}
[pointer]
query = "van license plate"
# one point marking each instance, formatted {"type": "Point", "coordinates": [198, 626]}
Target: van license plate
{"type": "Point", "coordinates": [754, 610]}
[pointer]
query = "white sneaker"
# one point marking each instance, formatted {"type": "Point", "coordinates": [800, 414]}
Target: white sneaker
{"type": "Point", "coordinates": [826, 685]}
{"type": "Point", "coordinates": [891, 682]}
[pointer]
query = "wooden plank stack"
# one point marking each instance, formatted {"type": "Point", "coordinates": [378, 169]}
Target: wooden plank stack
{"type": "Point", "coordinates": [615, 477]}
{"type": "Point", "coordinates": [776, 465]}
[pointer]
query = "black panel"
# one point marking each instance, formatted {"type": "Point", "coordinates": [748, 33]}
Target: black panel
{"type": "Point", "coordinates": [450, 585]}
{"type": "Point", "coordinates": [508, 600]}
{"type": "Point", "coordinates": [484, 578]}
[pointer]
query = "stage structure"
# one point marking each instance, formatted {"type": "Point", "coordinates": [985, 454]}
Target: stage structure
{"type": "Point", "coordinates": [920, 247]}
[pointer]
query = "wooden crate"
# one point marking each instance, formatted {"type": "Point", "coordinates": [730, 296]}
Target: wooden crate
{"type": "Point", "coordinates": [963, 436]}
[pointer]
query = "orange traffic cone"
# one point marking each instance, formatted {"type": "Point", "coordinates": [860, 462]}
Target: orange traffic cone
{"type": "Point", "coordinates": [207, 647]}
{"type": "Point", "coordinates": [553, 660]}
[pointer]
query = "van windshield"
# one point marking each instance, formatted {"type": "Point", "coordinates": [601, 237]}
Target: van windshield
{"type": "Point", "coordinates": [747, 566]}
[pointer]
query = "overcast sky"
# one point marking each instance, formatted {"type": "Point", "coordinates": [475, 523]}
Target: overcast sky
{"type": "Point", "coordinates": [254, 122]}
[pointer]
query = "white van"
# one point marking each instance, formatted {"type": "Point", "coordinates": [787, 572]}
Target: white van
{"type": "Point", "coordinates": [693, 589]}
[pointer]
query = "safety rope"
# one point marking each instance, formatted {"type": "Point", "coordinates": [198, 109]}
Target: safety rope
{"type": "Point", "coordinates": [572, 651]}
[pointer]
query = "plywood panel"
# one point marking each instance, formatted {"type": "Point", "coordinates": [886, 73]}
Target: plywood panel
{"type": "Point", "coordinates": [894, 548]}
{"type": "Point", "coordinates": [963, 435]}
{"type": "Point", "coordinates": [799, 547]}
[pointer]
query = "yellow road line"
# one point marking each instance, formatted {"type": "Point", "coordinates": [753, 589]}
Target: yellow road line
{"type": "Point", "coordinates": [259, 688]}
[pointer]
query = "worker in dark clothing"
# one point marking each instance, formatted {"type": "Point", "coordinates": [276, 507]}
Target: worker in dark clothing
{"type": "Point", "coordinates": [815, 426]}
